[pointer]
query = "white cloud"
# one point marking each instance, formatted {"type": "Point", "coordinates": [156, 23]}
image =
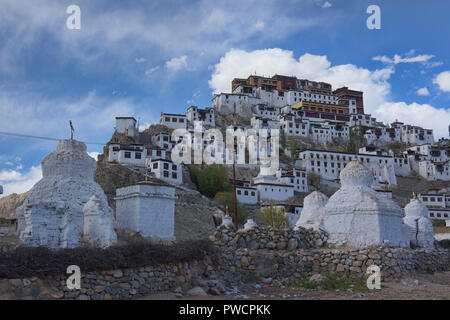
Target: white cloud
{"type": "Point", "coordinates": [94, 155]}
{"type": "Point", "coordinates": [326, 5]}
{"type": "Point", "coordinates": [176, 64]}
{"type": "Point", "coordinates": [150, 71]}
{"type": "Point", "coordinates": [8, 175]}
{"type": "Point", "coordinates": [374, 83]}
{"type": "Point", "coordinates": [259, 25]}
{"type": "Point", "coordinates": [163, 26]}
{"type": "Point", "coordinates": [408, 58]}
{"type": "Point", "coordinates": [18, 182]}
{"type": "Point", "coordinates": [443, 80]}
{"type": "Point", "coordinates": [140, 60]}
{"type": "Point", "coordinates": [423, 91]}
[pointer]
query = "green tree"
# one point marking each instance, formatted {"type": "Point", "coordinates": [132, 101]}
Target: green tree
{"type": "Point", "coordinates": [293, 146]}
{"type": "Point", "coordinates": [282, 140]}
{"type": "Point", "coordinates": [227, 199]}
{"type": "Point", "coordinates": [274, 217]}
{"type": "Point", "coordinates": [211, 180]}
{"type": "Point", "coordinates": [314, 180]}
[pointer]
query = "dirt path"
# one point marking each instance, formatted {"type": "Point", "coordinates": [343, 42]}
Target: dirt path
{"type": "Point", "coordinates": [420, 287]}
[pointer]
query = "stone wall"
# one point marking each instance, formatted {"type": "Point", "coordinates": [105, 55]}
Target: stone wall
{"type": "Point", "coordinates": [238, 262]}
{"type": "Point", "coordinates": [269, 238]}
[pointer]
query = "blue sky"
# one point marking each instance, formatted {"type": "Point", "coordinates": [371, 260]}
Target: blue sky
{"type": "Point", "coordinates": [139, 58]}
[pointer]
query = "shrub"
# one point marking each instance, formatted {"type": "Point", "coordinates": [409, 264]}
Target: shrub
{"type": "Point", "coordinates": [314, 180]}
{"type": "Point", "coordinates": [211, 180]}
{"type": "Point", "coordinates": [274, 217]}
{"type": "Point", "coordinates": [333, 282]}
{"type": "Point", "coordinates": [25, 262]}
{"type": "Point", "coordinates": [227, 199]}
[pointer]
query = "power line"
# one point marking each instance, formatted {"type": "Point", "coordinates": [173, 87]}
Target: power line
{"type": "Point", "coordinates": [42, 138]}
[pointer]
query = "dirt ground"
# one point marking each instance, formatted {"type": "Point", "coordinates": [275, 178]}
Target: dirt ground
{"type": "Point", "coordinates": [420, 287]}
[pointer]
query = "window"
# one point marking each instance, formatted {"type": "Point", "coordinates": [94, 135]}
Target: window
{"type": "Point", "coordinates": [158, 153]}
{"type": "Point", "coordinates": [174, 119]}
{"type": "Point", "coordinates": [166, 174]}
{"type": "Point", "coordinates": [174, 167]}
{"type": "Point", "coordinates": [174, 175]}
{"type": "Point", "coordinates": [155, 165]}
{"type": "Point", "coordinates": [246, 193]}
{"type": "Point", "coordinates": [253, 193]}
{"type": "Point", "coordinates": [137, 155]}
{"type": "Point", "coordinates": [128, 155]}
{"type": "Point", "coordinates": [239, 192]}
{"type": "Point", "coordinates": [166, 166]}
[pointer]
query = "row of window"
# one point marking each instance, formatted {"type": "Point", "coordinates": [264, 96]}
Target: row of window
{"type": "Point", "coordinates": [168, 119]}
{"type": "Point", "coordinates": [246, 193]}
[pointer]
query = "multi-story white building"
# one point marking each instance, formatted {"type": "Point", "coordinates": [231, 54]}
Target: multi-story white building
{"type": "Point", "coordinates": [245, 193]}
{"type": "Point", "coordinates": [166, 170]}
{"type": "Point", "coordinates": [329, 164]}
{"type": "Point", "coordinates": [264, 123]}
{"type": "Point", "coordinates": [133, 154]}
{"type": "Point", "coordinates": [416, 135]}
{"type": "Point", "coordinates": [298, 178]}
{"type": "Point", "coordinates": [266, 112]}
{"type": "Point", "coordinates": [434, 170]}
{"type": "Point", "coordinates": [127, 126]}
{"type": "Point", "coordinates": [173, 121]}
{"type": "Point", "coordinates": [163, 141]}
{"type": "Point", "coordinates": [432, 162]}
{"type": "Point", "coordinates": [207, 115]}
{"type": "Point", "coordinates": [438, 205]}
{"type": "Point", "coordinates": [401, 163]}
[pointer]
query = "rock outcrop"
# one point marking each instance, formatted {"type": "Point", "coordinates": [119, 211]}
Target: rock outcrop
{"type": "Point", "coordinates": [357, 216]}
{"type": "Point", "coordinates": [52, 214]}
{"type": "Point", "coordinates": [420, 228]}
{"type": "Point", "coordinates": [9, 204]}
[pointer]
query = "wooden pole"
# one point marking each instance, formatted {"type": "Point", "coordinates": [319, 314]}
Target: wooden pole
{"type": "Point", "coordinates": [234, 192]}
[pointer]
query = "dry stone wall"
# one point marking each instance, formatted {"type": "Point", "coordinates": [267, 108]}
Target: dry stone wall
{"type": "Point", "coordinates": [239, 261]}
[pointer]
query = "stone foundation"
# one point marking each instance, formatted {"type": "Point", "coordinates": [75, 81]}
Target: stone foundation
{"type": "Point", "coordinates": [236, 264]}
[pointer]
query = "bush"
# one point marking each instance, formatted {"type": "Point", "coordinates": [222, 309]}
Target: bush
{"type": "Point", "coordinates": [27, 262]}
{"type": "Point", "coordinates": [227, 199]}
{"type": "Point", "coordinates": [211, 180]}
{"type": "Point", "coordinates": [438, 223]}
{"type": "Point", "coordinates": [314, 180]}
{"type": "Point", "coordinates": [333, 282]}
{"type": "Point", "coordinates": [274, 217]}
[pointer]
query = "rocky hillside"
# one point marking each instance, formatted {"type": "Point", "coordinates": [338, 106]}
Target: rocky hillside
{"type": "Point", "coordinates": [9, 204]}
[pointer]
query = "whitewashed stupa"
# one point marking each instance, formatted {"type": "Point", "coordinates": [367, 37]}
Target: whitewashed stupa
{"type": "Point", "coordinates": [357, 216]}
{"type": "Point", "coordinates": [420, 226]}
{"type": "Point", "coordinates": [53, 214]}
{"type": "Point", "coordinates": [313, 211]}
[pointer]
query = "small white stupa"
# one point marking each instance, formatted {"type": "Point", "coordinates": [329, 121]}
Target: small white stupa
{"type": "Point", "coordinates": [52, 215]}
{"type": "Point", "coordinates": [313, 211]}
{"type": "Point", "coordinates": [357, 216]}
{"type": "Point", "coordinates": [419, 225]}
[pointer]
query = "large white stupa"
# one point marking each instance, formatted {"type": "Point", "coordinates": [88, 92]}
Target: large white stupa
{"type": "Point", "coordinates": [52, 215]}
{"type": "Point", "coordinates": [357, 216]}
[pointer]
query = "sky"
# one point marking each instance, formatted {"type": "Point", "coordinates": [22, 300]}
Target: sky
{"type": "Point", "coordinates": [139, 58]}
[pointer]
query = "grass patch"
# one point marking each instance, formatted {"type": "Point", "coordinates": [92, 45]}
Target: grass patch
{"type": "Point", "coordinates": [332, 282]}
